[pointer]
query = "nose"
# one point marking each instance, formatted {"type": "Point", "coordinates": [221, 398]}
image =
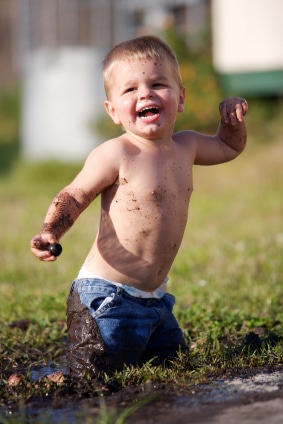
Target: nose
{"type": "Point", "coordinates": [145, 93]}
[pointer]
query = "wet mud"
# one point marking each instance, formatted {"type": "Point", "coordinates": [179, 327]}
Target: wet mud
{"type": "Point", "coordinates": [86, 347]}
{"type": "Point", "coordinates": [251, 396]}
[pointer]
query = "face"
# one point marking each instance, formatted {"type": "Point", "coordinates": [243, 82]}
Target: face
{"type": "Point", "coordinates": [145, 98]}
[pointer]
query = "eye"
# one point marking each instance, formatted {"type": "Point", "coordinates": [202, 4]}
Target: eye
{"type": "Point", "coordinates": [129, 90]}
{"type": "Point", "coordinates": [159, 85]}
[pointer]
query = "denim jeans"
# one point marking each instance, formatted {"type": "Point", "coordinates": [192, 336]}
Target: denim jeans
{"type": "Point", "coordinates": [108, 328]}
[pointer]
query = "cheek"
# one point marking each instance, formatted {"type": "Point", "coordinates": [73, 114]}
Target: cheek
{"type": "Point", "coordinates": [127, 103]}
{"type": "Point", "coordinates": [174, 104]}
{"type": "Point", "coordinates": [126, 108]}
{"type": "Point", "coordinates": [171, 98]}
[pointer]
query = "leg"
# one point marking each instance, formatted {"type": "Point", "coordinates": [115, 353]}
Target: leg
{"type": "Point", "coordinates": [85, 339]}
{"type": "Point", "coordinates": [107, 329]}
{"type": "Point", "coordinates": [167, 340]}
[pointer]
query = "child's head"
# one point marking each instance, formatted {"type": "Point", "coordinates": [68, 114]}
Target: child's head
{"type": "Point", "coordinates": [145, 47]}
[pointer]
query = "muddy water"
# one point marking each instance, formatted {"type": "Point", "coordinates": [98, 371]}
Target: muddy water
{"type": "Point", "coordinates": [40, 371]}
{"type": "Point", "coordinates": [256, 399]}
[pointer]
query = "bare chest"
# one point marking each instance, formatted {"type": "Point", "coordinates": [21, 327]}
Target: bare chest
{"type": "Point", "coordinates": [153, 187]}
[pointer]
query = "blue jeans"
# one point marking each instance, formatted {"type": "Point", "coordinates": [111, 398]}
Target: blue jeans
{"type": "Point", "coordinates": [108, 328]}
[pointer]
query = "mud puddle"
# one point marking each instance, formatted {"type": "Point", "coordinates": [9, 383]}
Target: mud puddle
{"type": "Point", "coordinates": [40, 371]}
{"type": "Point", "coordinates": [247, 399]}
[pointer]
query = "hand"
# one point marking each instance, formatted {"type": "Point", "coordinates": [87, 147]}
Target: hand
{"type": "Point", "coordinates": [40, 247]}
{"type": "Point", "coordinates": [233, 110]}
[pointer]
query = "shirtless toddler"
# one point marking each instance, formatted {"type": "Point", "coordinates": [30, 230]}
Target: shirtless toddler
{"type": "Point", "coordinates": [118, 311]}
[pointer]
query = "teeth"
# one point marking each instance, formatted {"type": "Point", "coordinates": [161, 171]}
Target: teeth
{"type": "Point", "coordinates": [148, 111]}
{"type": "Point", "coordinates": [149, 108]}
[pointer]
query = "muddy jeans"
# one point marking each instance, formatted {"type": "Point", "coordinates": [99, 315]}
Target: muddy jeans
{"type": "Point", "coordinates": [108, 328]}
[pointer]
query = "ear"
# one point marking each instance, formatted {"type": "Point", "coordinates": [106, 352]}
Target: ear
{"type": "Point", "coordinates": [182, 97]}
{"type": "Point", "coordinates": [110, 109]}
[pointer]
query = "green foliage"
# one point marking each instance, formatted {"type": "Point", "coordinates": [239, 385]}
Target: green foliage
{"type": "Point", "coordinates": [9, 114]}
{"type": "Point", "coordinates": [9, 129]}
{"type": "Point", "coordinates": [203, 91]}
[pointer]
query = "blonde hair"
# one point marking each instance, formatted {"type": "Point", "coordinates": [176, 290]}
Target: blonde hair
{"type": "Point", "coordinates": [145, 47]}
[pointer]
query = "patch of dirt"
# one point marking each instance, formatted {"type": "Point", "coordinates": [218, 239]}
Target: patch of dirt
{"type": "Point", "coordinates": [250, 396]}
{"type": "Point", "coordinates": [253, 399]}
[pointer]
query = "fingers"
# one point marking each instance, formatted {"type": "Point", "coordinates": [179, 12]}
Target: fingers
{"type": "Point", "coordinates": [241, 109]}
{"type": "Point", "coordinates": [40, 249]}
{"type": "Point", "coordinates": [233, 110]}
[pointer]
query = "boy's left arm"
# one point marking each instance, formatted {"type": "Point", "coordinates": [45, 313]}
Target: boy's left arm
{"type": "Point", "coordinates": [232, 129]}
{"type": "Point", "coordinates": [230, 139]}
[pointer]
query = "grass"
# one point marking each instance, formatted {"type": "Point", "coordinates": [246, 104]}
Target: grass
{"type": "Point", "coordinates": [227, 278]}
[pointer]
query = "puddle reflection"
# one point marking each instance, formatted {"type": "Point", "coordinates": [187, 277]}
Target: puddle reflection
{"type": "Point", "coordinates": [39, 371]}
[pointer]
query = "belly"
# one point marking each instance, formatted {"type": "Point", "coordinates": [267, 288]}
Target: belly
{"type": "Point", "coordinates": [138, 249]}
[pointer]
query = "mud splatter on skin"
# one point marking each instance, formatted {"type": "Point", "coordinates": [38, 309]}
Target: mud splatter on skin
{"type": "Point", "coordinates": [132, 206]}
{"type": "Point", "coordinates": [68, 208]}
{"type": "Point", "coordinates": [123, 181]}
{"type": "Point", "coordinates": [146, 233]}
{"type": "Point", "coordinates": [58, 227]}
{"type": "Point", "coordinates": [159, 195]}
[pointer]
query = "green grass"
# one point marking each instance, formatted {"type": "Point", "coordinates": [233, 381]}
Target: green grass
{"type": "Point", "coordinates": [227, 278]}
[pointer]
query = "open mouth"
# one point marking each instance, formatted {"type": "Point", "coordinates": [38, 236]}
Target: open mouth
{"type": "Point", "coordinates": [148, 112]}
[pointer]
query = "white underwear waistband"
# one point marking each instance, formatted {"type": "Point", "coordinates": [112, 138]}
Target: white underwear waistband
{"type": "Point", "coordinates": [156, 294]}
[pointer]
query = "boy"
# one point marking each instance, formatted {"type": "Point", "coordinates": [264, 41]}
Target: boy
{"type": "Point", "coordinates": [118, 310]}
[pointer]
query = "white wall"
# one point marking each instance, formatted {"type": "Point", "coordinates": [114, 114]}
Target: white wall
{"type": "Point", "coordinates": [63, 95]}
{"type": "Point", "coordinates": [247, 35]}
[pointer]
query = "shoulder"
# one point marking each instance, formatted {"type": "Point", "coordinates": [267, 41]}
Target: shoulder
{"type": "Point", "coordinates": [188, 136]}
{"type": "Point", "coordinates": [108, 151]}
{"type": "Point", "coordinates": [112, 147]}
{"type": "Point", "coordinates": [102, 167]}
{"type": "Point", "coordinates": [187, 139]}
{"type": "Point", "coordinates": [200, 147]}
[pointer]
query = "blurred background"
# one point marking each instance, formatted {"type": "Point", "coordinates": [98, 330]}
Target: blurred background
{"type": "Point", "coordinates": [51, 93]}
{"type": "Point", "coordinates": [52, 115]}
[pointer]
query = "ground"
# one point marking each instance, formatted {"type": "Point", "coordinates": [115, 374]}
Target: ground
{"type": "Point", "coordinates": [252, 396]}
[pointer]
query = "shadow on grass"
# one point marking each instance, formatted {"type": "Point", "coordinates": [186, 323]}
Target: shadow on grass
{"type": "Point", "coordinates": [254, 341]}
{"type": "Point", "coordinates": [253, 344]}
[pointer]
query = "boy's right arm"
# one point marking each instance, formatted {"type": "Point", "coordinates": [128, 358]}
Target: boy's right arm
{"type": "Point", "coordinates": [62, 213]}
{"type": "Point", "coordinates": [99, 172]}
